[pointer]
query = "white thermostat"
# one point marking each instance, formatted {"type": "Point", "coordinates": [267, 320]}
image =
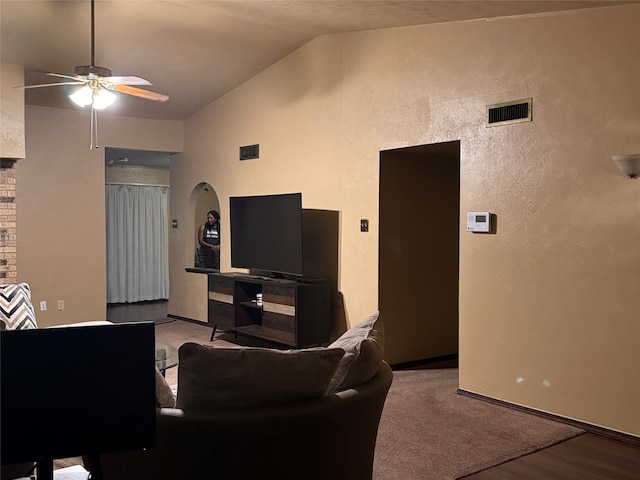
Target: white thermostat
{"type": "Point", "coordinates": [478, 222]}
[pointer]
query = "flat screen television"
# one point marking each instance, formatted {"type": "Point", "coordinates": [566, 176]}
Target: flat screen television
{"type": "Point", "coordinates": [76, 391]}
{"type": "Point", "coordinates": [266, 233]}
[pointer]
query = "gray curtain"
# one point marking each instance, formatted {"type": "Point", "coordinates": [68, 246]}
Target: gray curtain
{"type": "Point", "coordinates": [137, 243]}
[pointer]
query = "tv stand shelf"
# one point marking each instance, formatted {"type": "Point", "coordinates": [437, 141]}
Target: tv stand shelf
{"type": "Point", "coordinates": [291, 313]}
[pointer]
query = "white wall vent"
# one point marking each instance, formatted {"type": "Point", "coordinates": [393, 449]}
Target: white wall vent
{"type": "Point", "coordinates": [509, 112]}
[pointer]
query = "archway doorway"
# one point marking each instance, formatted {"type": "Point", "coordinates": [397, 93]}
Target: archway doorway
{"type": "Point", "coordinates": [206, 200]}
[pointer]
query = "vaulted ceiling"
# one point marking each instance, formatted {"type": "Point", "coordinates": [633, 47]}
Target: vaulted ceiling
{"type": "Point", "coordinates": [196, 51]}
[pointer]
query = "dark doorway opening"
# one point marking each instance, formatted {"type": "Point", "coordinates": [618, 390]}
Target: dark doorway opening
{"type": "Point", "coordinates": [419, 251]}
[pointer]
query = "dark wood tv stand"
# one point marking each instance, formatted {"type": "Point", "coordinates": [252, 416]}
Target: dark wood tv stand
{"type": "Point", "coordinates": [292, 313]}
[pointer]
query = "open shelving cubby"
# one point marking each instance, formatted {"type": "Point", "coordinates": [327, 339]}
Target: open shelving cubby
{"type": "Point", "coordinates": [291, 313]}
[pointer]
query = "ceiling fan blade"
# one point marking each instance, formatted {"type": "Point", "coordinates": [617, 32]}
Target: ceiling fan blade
{"type": "Point", "coordinates": [139, 92]}
{"type": "Point", "coordinates": [63, 76]}
{"type": "Point", "coordinates": [51, 84]}
{"type": "Point", "coordinates": [128, 80]}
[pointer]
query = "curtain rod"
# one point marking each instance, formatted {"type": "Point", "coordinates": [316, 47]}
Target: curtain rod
{"type": "Point", "coordinates": [137, 184]}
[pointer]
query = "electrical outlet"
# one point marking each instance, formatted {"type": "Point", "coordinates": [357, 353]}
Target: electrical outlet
{"type": "Point", "coordinates": [364, 225]}
{"type": "Point", "coordinates": [43, 305]}
{"type": "Point", "coordinates": [60, 304]}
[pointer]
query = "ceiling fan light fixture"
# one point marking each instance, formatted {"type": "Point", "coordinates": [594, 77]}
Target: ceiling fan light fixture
{"type": "Point", "coordinates": [100, 98]}
{"type": "Point", "coordinates": [103, 99]}
{"type": "Point", "coordinates": [82, 97]}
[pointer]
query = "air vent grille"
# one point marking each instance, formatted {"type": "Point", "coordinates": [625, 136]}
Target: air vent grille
{"type": "Point", "coordinates": [249, 151]}
{"type": "Point", "coordinates": [509, 112]}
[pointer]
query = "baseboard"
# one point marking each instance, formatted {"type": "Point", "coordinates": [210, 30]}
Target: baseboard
{"type": "Point", "coordinates": [605, 432]}
{"type": "Point", "coordinates": [451, 359]}
{"type": "Point", "coordinates": [186, 319]}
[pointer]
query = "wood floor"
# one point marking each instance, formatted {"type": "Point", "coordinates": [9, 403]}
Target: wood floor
{"type": "Point", "coordinates": [586, 457]}
{"type": "Point", "coordinates": [139, 311]}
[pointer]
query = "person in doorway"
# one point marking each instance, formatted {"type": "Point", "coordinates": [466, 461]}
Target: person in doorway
{"type": "Point", "coordinates": [209, 237]}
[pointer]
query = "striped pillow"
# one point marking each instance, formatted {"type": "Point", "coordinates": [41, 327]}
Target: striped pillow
{"type": "Point", "coordinates": [16, 310]}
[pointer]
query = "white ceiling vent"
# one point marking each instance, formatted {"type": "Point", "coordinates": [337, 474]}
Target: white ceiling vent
{"type": "Point", "coordinates": [509, 112]}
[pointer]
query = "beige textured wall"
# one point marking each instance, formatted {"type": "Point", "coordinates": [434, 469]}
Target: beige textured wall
{"type": "Point", "coordinates": [549, 306]}
{"type": "Point", "coordinates": [60, 203]}
{"type": "Point", "coordinates": [137, 174]}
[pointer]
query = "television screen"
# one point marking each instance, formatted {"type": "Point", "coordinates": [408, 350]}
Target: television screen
{"type": "Point", "coordinates": [266, 233]}
{"type": "Point", "coordinates": [77, 391]}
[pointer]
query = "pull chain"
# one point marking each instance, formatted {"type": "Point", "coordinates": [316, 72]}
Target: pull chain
{"type": "Point", "coordinates": [94, 128]}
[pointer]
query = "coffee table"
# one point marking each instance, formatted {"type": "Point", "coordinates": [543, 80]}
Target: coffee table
{"type": "Point", "coordinates": [166, 357]}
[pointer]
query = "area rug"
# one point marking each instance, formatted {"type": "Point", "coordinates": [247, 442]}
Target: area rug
{"type": "Point", "coordinates": [429, 432]}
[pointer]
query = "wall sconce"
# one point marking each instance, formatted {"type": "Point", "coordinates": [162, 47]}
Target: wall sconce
{"type": "Point", "coordinates": [628, 164]}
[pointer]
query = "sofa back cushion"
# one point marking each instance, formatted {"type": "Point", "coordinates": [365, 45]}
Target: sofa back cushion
{"type": "Point", "coordinates": [16, 310]}
{"type": "Point", "coordinates": [210, 377]}
{"type": "Point", "coordinates": [364, 350]}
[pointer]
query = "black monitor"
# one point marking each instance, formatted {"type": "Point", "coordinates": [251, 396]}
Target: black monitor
{"type": "Point", "coordinates": [76, 391]}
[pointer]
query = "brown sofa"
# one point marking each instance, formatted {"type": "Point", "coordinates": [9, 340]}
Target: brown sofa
{"type": "Point", "coordinates": [247, 414]}
{"type": "Point", "coordinates": [328, 438]}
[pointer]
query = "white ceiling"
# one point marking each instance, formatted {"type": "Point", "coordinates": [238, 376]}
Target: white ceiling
{"type": "Point", "coordinates": [196, 51]}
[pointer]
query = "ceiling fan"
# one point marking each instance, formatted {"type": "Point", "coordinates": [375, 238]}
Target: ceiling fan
{"type": "Point", "coordinates": [98, 83]}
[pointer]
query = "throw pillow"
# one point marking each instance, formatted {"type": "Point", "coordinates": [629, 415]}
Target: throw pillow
{"type": "Point", "coordinates": [210, 377]}
{"type": "Point", "coordinates": [164, 395]}
{"type": "Point", "coordinates": [16, 309]}
{"type": "Point", "coordinates": [364, 348]}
